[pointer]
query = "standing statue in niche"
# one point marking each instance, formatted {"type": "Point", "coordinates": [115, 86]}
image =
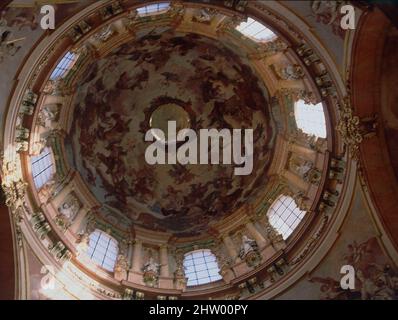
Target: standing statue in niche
{"type": "Point", "coordinates": [248, 245]}
{"type": "Point", "coordinates": [151, 271]}
{"type": "Point", "coordinates": [249, 252]}
{"type": "Point", "coordinates": [305, 169]}
{"type": "Point", "coordinates": [70, 208]}
{"type": "Point", "coordinates": [300, 166]}
{"type": "Point", "coordinates": [67, 213]}
{"type": "Point", "coordinates": [152, 266]}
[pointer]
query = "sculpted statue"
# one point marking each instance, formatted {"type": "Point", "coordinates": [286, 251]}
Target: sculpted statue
{"type": "Point", "coordinates": [70, 208]}
{"type": "Point", "coordinates": [49, 114]}
{"type": "Point", "coordinates": [291, 72]}
{"type": "Point", "coordinates": [151, 271]}
{"type": "Point", "coordinates": [300, 166]}
{"type": "Point", "coordinates": [304, 169]}
{"type": "Point", "coordinates": [205, 15]}
{"type": "Point", "coordinates": [105, 34]}
{"type": "Point", "coordinates": [152, 266]}
{"type": "Point", "coordinates": [248, 245]}
{"type": "Point", "coordinates": [249, 252]}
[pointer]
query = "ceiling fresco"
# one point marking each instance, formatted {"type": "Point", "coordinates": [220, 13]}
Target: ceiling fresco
{"type": "Point", "coordinates": [115, 100]}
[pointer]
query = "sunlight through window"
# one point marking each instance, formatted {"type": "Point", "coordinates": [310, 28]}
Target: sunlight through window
{"type": "Point", "coordinates": [64, 66]}
{"type": "Point", "coordinates": [201, 267]}
{"type": "Point", "coordinates": [103, 249]}
{"type": "Point", "coordinates": [255, 30]}
{"type": "Point", "coordinates": [153, 9]}
{"type": "Point", "coordinates": [285, 216]}
{"type": "Point", "coordinates": [42, 168]}
{"type": "Point", "coordinates": [310, 118]}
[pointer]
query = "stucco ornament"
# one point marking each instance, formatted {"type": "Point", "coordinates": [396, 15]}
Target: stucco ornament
{"type": "Point", "coordinates": [290, 72]}
{"type": "Point", "coordinates": [70, 208]}
{"type": "Point", "coordinates": [121, 267]}
{"type": "Point", "coordinates": [349, 128]}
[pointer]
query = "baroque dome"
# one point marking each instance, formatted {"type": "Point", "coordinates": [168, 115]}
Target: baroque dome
{"type": "Point", "coordinates": [83, 198]}
{"type": "Point", "coordinates": [114, 102]}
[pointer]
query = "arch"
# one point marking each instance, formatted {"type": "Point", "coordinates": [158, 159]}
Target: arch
{"type": "Point", "coordinates": [373, 81]}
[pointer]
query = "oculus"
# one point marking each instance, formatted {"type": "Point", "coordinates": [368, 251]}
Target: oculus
{"type": "Point", "coordinates": [187, 153]}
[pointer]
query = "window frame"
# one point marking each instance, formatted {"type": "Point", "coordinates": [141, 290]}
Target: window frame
{"type": "Point", "coordinates": [304, 123]}
{"type": "Point", "coordinates": [279, 219]}
{"type": "Point", "coordinates": [255, 36]}
{"type": "Point", "coordinates": [148, 11]}
{"type": "Point", "coordinates": [102, 258]}
{"type": "Point", "coordinates": [193, 271]}
{"type": "Point", "coordinates": [40, 167]}
{"type": "Point", "coordinates": [64, 65]}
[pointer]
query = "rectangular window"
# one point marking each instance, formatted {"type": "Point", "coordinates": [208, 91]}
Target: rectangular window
{"type": "Point", "coordinates": [285, 216]}
{"type": "Point", "coordinates": [154, 9]}
{"type": "Point", "coordinates": [64, 66]}
{"type": "Point", "coordinates": [255, 30]}
{"type": "Point", "coordinates": [201, 267]}
{"type": "Point", "coordinates": [42, 168]}
{"type": "Point", "coordinates": [103, 250]}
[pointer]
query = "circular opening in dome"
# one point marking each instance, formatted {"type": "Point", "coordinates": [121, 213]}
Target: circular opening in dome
{"type": "Point", "coordinates": [164, 114]}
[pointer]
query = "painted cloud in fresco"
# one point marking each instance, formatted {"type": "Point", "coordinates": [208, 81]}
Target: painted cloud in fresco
{"type": "Point", "coordinates": [114, 102]}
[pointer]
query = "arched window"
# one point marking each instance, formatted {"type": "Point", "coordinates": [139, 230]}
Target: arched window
{"type": "Point", "coordinates": [255, 30]}
{"type": "Point", "coordinates": [103, 249]}
{"type": "Point", "coordinates": [285, 216]}
{"type": "Point", "coordinates": [151, 9]}
{"type": "Point", "coordinates": [201, 267]}
{"type": "Point", "coordinates": [42, 167]}
{"type": "Point", "coordinates": [310, 118]}
{"type": "Point", "coordinates": [64, 66]}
